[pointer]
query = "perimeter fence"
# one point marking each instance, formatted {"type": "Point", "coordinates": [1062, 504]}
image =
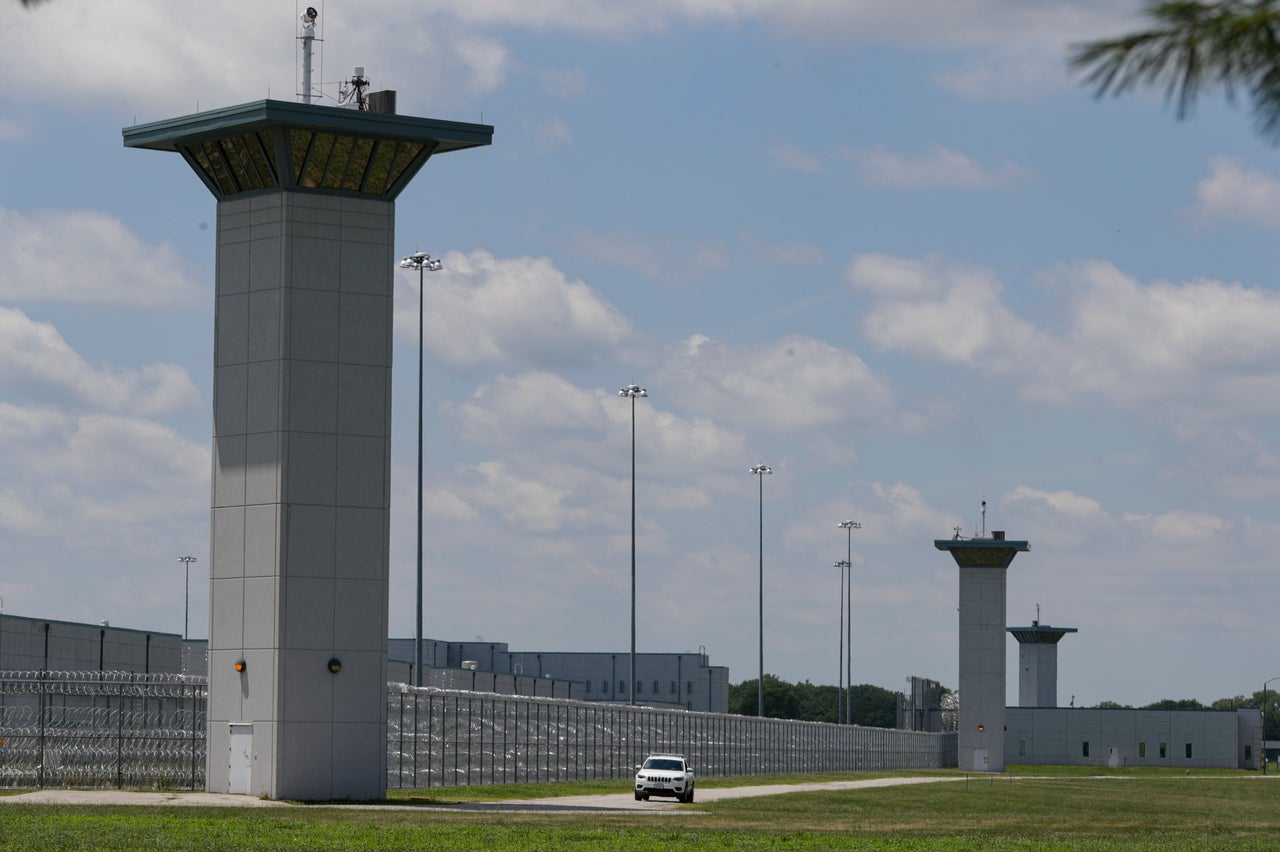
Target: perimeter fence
{"type": "Point", "coordinates": [102, 729]}
{"type": "Point", "coordinates": [446, 738]}
{"type": "Point", "coordinates": [118, 729]}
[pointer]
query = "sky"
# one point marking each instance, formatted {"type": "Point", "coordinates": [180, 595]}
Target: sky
{"type": "Point", "coordinates": [894, 251]}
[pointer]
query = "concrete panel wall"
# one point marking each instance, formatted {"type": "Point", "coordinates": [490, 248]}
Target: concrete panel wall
{"type": "Point", "coordinates": [301, 491]}
{"type": "Point", "coordinates": [1038, 674]}
{"type": "Point", "coordinates": [32, 644]}
{"type": "Point", "coordinates": [1081, 737]}
{"type": "Point", "coordinates": [981, 718]}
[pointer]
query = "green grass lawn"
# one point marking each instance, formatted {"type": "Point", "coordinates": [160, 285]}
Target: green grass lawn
{"type": "Point", "coordinates": [1029, 808]}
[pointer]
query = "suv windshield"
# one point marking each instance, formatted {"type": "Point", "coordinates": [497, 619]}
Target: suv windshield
{"type": "Point", "coordinates": [672, 765]}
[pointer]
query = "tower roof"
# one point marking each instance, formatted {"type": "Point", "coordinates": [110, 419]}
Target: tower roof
{"type": "Point", "coordinates": [269, 146]}
{"type": "Point", "coordinates": [1040, 634]}
{"type": "Point", "coordinates": [995, 552]}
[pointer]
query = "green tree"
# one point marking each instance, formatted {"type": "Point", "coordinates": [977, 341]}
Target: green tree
{"type": "Point", "coordinates": [1112, 705]}
{"type": "Point", "coordinates": [1175, 704]}
{"type": "Point", "coordinates": [809, 702]}
{"type": "Point", "coordinates": [1234, 44]}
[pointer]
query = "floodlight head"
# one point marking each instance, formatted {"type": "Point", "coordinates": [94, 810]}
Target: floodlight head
{"type": "Point", "coordinates": [760, 469]}
{"type": "Point", "coordinates": [849, 525]}
{"type": "Point", "coordinates": [420, 260]}
{"type": "Point", "coordinates": [309, 16]}
{"type": "Point", "coordinates": [633, 391]}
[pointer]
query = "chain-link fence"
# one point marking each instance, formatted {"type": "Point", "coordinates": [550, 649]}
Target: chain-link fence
{"type": "Point", "coordinates": [102, 729]}
{"type": "Point", "coordinates": [440, 738]}
{"type": "Point", "coordinates": [116, 729]}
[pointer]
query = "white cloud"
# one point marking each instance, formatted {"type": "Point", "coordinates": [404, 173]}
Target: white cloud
{"type": "Point", "coordinates": [544, 410]}
{"type": "Point", "coordinates": [1063, 503]}
{"type": "Point", "coordinates": [1180, 527]}
{"type": "Point", "coordinates": [485, 59]}
{"type": "Point", "coordinates": [96, 477]}
{"type": "Point", "coordinates": [164, 58]}
{"type": "Point", "coordinates": [788, 157]}
{"type": "Point", "coordinates": [794, 383]}
{"type": "Point", "coordinates": [939, 168]}
{"type": "Point", "coordinates": [1206, 346]}
{"type": "Point", "coordinates": [40, 266]}
{"type": "Point", "coordinates": [553, 133]}
{"type": "Point", "coordinates": [482, 311]}
{"type": "Point", "coordinates": [1236, 193]}
{"type": "Point", "coordinates": [35, 361]}
{"type": "Point", "coordinates": [935, 309]}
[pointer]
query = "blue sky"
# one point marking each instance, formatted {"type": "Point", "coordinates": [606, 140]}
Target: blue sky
{"type": "Point", "coordinates": [892, 250]}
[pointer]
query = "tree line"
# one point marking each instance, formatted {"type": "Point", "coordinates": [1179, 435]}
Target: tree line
{"type": "Point", "coordinates": [1238, 702]}
{"type": "Point", "coordinates": [808, 702]}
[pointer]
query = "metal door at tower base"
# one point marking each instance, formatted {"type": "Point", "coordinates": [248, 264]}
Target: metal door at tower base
{"type": "Point", "coordinates": [240, 758]}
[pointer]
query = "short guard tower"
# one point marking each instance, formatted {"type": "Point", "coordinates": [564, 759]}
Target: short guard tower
{"type": "Point", "coordinates": [301, 434]}
{"type": "Point", "coordinates": [983, 563]}
{"type": "Point", "coordinates": [1038, 662]}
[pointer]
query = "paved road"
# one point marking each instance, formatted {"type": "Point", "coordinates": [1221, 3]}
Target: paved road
{"type": "Point", "coordinates": [613, 802]}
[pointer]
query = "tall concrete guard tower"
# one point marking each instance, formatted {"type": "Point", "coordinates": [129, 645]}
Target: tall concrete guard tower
{"type": "Point", "coordinates": [983, 564]}
{"type": "Point", "coordinates": [1038, 662]}
{"type": "Point", "coordinates": [301, 434]}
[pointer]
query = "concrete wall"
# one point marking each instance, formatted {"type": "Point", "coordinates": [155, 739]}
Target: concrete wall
{"type": "Point", "coordinates": [1038, 674]}
{"type": "Point", "coordinates": [982, 669]}
{"type": "Point", "coordinates": [675, 679]}
{"type": "Point", "coordinates": [301, 492]}
{"type": "Point", "coordinates": [35, 644]}
{"type": "Point", "coordinates": [1080, 737]}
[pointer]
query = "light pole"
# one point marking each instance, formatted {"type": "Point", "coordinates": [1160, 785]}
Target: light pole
{"type": "Point", "coordinates": [760, 470]}
{"type": "Point", "coordinates": [1264, 722]}
{"type": "Point", "coordinates": [186, 600]}
{"type": "Point", "coordinates": [841, 715]}
{"type": "Point", "coordinates": [849, 527]}
{"type": "Point", "coordinates": [633, 391]}
{"type": "Point", "coordinates": [422, 262]}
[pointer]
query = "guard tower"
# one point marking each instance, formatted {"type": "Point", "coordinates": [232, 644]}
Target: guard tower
{"type": "Point", "coordinates": [301, 434]}
{"type": "Point", "coordinates": [983, 564]}
{"type": "Point", "coordinates": [1038, 662]}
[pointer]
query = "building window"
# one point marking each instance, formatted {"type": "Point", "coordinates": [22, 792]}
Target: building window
{"type": "Point", "coordinates": [655, 687]}
{"type": "Point", "coordinates": [1188, 751]}
{"type": "Point", "coordinates": [1164, 750]}
{"type": "Point", "coordinates": [1248, 752]}
{"type": "Point", "coordinates": [688, 687]}
{"type": "Point", "coordinates": [622, 687]}
{"type": "Point", "coordinates": [1022, 748]}
{"type": "Point", "coordinates": [1142, 749]}
{"type": "Point", "coordinates": [639, 687]}
{"type": "Point", "coordinates": [604, 687]}
{"type": "Point", "coordinates": [675, 688]}
{"type": "Point", "coordinates": [588, 687]}
{"type": "Point", "coordinates": [1086, 748]}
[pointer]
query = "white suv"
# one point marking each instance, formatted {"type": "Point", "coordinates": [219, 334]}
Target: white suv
{"type": "Point", "coordinates": [664, 775]}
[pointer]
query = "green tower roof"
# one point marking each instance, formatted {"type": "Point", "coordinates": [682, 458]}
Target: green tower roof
{"type": "Point", "coordinates": [269, 146]}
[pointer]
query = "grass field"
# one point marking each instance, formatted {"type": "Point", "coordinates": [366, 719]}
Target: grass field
{"type": "Point", "coordinates": [1028, 808]}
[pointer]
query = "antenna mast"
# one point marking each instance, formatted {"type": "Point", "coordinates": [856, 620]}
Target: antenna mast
{"type": "Point", "coordinates": [307, 38]}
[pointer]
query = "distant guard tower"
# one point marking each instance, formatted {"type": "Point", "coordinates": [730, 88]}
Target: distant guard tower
{"type": "Point", "coordinates": [1038, 662]}
{"type": "Point", "coordinates": [983, 563]}
{"type": "Point", "coordinates": [301, 433]}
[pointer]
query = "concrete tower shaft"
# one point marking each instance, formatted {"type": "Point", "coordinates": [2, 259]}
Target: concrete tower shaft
{"type": "Point", "coordinates": [1038, 663]}
{"type": "Point", "coordinates": [301, 434]}
{"type": "Point", "coordinates": [983, 564]}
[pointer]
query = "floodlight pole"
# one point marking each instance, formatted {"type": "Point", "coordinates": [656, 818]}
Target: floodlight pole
{"type": "Point", "coordinates": [422, 262]}
{"type": "Point", "coordinates": [632, 391]}
{"type": "Point", "coordinates": [760, 470]}
{"type": "Point", "coordinates": [186, 603]}
{"type": "Point", "coordinates": [849, 527]}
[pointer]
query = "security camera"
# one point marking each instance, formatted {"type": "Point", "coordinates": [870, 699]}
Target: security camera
{"type": "Point", "coordinates": [309, 16]}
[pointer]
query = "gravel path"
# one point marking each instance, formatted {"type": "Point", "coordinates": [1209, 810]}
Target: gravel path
{"type": "Point", "coordinates": [613, 802]}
